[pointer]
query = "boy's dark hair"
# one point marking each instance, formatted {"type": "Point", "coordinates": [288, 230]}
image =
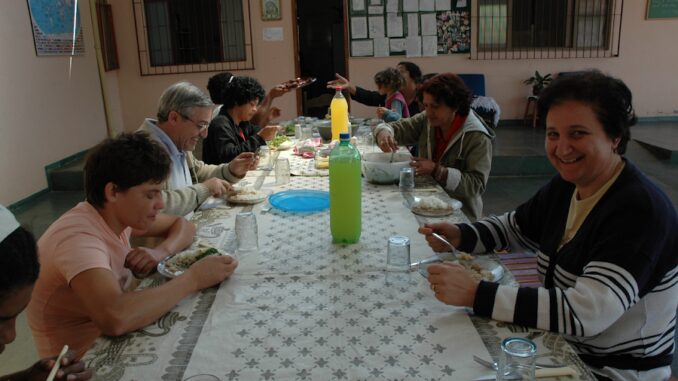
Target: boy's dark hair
{"type": "Point", "coordinates": [128, 160]}
{"type": "Point", "coordinates": [241, 90]}
{"type": "Point", "coordinates": [609, 98]}
{"type": "Point", "coordinates": [216, 85]}
{"type": "Point", "coordinates": [449, 89]}
{"type": "Point", "coordinates": [19, 264]}
{"type": "Point", "coordinates": [389, 78]}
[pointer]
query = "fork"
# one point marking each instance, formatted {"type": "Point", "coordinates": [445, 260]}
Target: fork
{"type": "Point", "coordinates": [493, 365]}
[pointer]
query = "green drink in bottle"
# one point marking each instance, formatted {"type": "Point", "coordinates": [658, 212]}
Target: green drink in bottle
{"type": "Point", "coordinates": [345, 192]}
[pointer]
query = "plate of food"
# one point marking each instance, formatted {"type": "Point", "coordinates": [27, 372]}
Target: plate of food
{"type": "Point", "coordinates": [175, 265]}
{"type": "Point", "coordinates": [298, 82]}
{"type": "Point", "coordinates": [480, 268]}
{"type": "Point", "coordinates": [433, 206]}
{"type": "Point", "coordinates": [247, 196]}
{"type": "Point", "coordinates": [280, 143]}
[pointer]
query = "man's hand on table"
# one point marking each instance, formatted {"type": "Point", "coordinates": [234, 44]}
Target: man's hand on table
{"type": "Point", "coordinates": [70, 369]}
{"type": "Point", "coordinates": [142, 260]}
{"type": "Point", "coordinates": [452, 284]}
{"type": "Point", "coordinates": [449, 231]}
{"type": "Point", "coordinates": [242, 163]}
{"type": "Point", "coordinates": [211, 270]}
{"type": "Point", "coordinates": [218, 187]}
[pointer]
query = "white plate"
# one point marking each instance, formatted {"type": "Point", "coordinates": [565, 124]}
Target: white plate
{"type": "Point", "coordinates": [260, 196]}
{"type": "Point", "coordinates": [489, 265]}
{"type": "Point", "coordinates": [165, 269]}
{"type": "Point", "coordinates": [453, 205]}
{"type": "Point", "coordinates": [284, 145]}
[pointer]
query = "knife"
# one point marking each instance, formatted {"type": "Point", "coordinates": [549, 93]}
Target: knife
{"type": "Point", "coordinates": [539, 373]}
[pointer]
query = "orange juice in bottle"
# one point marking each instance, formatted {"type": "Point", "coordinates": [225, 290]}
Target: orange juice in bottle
{"type": "Point", "coordinates": [339, 112]}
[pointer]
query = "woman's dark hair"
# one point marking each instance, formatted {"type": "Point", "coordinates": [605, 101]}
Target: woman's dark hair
{"type": "Point", "coordinates": [609, 98]}
{"type": "Point", "coordinates": [128, 160]}
{"type": "Point", "coordinates": [449, 89]}
{"type": "Point", "coordinates": [241, 90]}
{"type": "Point", "coordinates": [389, 78]}
{"type": "Point", "coordinates": [216, 85]}
{"type": "Point", "coordinates": [19, 264]}
{"type": "Point", "coordinates": [413, 70]}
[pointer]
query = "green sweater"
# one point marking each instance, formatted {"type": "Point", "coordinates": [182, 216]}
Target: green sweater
{"type": "Point", "coordinates": [468, 156]}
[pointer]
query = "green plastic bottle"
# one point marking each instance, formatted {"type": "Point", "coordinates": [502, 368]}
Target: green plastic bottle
{"type": "Point", "coordinates": [345, 192]}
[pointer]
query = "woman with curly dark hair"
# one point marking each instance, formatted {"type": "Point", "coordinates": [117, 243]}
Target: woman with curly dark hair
{"type": "Point", "coordinates": [231, 132]}
{"type": "Point", "coordinates": [455, 145]}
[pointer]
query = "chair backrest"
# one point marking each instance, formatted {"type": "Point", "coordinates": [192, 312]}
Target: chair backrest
{"type": "Point", "coordinates": [475, 82]}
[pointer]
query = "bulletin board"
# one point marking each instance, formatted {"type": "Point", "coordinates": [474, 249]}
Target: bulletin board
{"type": "Point", "coordinates": [414, 28]}
{"type": "Point", "coordinates": [662, 9]}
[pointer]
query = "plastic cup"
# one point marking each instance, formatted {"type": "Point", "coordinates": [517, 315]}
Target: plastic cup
{"type": "Point", "coordinates": [282, 171]}
{"type": "Point", "coordinates": [398, 260]}
{"type": "Point", "coordinates": [246, 233]}
{"type": "Point", "coordinates": [517, 358]}
{"type": "Point", "coordinates": [406, 179]}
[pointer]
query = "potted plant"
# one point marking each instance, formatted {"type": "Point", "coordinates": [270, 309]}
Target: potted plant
{"type": "Point", "coordinates": [538, 82]}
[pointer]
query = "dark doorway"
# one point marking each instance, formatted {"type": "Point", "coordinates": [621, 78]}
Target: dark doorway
{"type": "Point", "coordinates": [321, 51]}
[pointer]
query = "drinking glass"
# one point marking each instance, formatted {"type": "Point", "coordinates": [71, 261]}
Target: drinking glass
{"type": "Point", "coordinates": [264, 158]}
{"type": "Point", "coordinates": [398, 260]}
{"type": "Point", "coordinates": [282, 171]}
{"type": "Point", "coordinates": [246, 233]}
{"type": "Point", "coordinates": [406, 179]}
{"type": "Point", "coordinates": [517, 358]}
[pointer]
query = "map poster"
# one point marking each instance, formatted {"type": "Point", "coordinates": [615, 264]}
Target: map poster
{"type": "Point", "coordinates": [56, 27]}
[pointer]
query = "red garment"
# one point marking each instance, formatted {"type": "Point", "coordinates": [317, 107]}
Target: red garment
{"type": "Point", "coordinates": [242, 134]}
{"type": "Point", "coordinates": [443, 140]}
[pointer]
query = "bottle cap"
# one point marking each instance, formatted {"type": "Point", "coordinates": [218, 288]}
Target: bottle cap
{"type": "Point", "coordinates": [338, 88]}
{"type": "Point", "coordinates": [344, 136]}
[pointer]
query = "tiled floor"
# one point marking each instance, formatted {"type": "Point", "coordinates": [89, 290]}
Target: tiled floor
{"type": "Point", "coordinates": [503, 194]}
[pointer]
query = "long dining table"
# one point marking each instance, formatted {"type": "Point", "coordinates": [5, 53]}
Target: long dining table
{"type": "Point", "coordinates": [304, 308]}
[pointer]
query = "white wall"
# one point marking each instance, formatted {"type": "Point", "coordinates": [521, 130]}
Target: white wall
{"type": "Point", "coordinates": [49, 109]}
{"type": "Point", "coordinates": [647, 64]}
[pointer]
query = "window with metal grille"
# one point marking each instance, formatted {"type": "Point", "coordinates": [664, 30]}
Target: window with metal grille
{"type": "Point", "coordinates": [524, 29]}
{"type": "Point", "coordinates": [188, 36]}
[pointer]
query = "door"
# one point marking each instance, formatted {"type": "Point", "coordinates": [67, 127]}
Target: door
{"type": "Point", "coordinates": [321, 51]}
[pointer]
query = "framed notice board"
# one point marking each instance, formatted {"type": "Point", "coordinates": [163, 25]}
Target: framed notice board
{"type": "Point", "coordinates": [662, 9]}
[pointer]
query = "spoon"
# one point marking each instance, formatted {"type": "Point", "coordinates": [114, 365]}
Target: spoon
{"type": "Point", "coordinates": [392, 153]}
{"type": "Point", "coordinates": [493, 365]}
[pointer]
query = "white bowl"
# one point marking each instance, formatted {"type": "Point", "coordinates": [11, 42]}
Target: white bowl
{"type": "Point", "coordinates": [378, 169]}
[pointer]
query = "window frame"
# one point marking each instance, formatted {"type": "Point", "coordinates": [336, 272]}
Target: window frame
{"type": "Point", "coordinates": [147, 69]}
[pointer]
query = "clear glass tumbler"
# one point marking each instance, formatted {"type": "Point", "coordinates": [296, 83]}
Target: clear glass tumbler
{"type": "Point", "coordinates": [517, 359]}
{"type": "Point", "coordinates": [246, 233]}
{"type": "Point", "coordinates": [398, 260]}
{"type": "Point", "coordinates": [406, 179]}
{"type": "Point", "coordinates": [264, 158]}
{"type": "Point", "coordinates": [282, 171]}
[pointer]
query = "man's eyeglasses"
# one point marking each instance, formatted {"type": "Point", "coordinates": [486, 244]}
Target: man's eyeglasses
{"type": "Point", "coordinates": [201, 126]}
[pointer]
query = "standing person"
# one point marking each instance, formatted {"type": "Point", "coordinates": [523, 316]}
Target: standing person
{"type": "Point", "coordinates": [87, 259]}
{"type": "Point", "coordinates": [19, 270]}
{"type": "Point", "coordinates": [455, 145]}
{"type": "Point", "coordinates": [184, 114]}
{"type": "Point", "coordinates": [410, 72]}
{"type": "Point", "coordinates": [604, 234]}
{"type": "Point", "coordinates": [231, 132]}
{"type": "Point", "coordinates": [389, 82]}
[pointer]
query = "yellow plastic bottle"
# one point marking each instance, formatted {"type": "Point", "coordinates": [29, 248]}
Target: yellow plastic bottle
{"type": "Point", "coordinates": [339, 111]}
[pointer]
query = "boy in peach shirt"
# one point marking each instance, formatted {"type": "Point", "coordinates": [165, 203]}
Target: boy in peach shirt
{"type": "Point", "coordinates": [86, 256]}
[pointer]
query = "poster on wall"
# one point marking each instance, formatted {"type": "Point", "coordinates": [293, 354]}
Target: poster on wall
{"type": "Point", "coordinates": [454, 31]}
{"type": "Point", "coordinates": [56, 27]}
